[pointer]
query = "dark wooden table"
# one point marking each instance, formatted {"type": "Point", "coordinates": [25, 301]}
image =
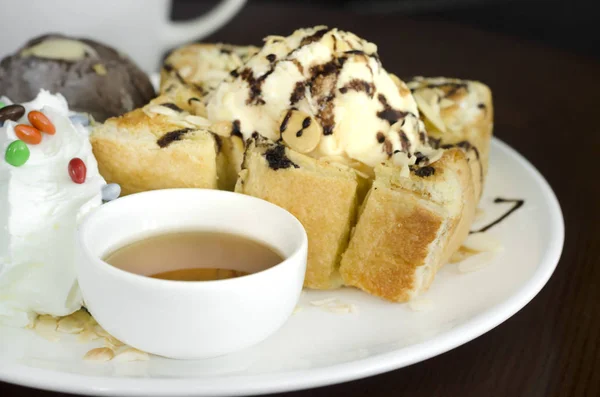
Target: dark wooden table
{"type": "Point", "coordinates": [547, 107]}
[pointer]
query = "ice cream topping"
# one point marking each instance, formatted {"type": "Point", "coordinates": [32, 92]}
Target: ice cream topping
{"type": "Point", "coordinates": [325, 93]}
{"type": "Point", "coordinates": [40, 204]}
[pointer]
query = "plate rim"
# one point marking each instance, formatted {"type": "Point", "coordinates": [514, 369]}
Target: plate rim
{"type": "Point", "coordinates": [58, 381]}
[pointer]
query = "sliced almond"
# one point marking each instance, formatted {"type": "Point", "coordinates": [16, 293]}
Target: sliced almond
{"type": "Point", "coordinates": [402, 87]}
{"type": "Point", "coordinates": [198, 108]}
{"type": "Point", "coordinates": [300, 131]}
{"type": "Point", "coordinates": [341, 309]}
{"type": "Point", "coordinates": [159, 109]}
{"type": "Point", "coordinates": [323, 302]}
{"type": "Point", "coordinates": [420, 305]}
{"type": "Point", "coordinates": [70, 325]}
{"type": "Point", "coordinates": [100, 354]}
{"type": "Point", "coordinates": [222, 128]}
{"type": "Point", "coordinates": [131, 354]}
{"type": "Point", "coordinates": [297, 310]}
{"type": "Point", "coordinates": [82, 315]}
{"type": "Point", "coordinates": [446, 103]}
{"type": "Point", "coordinates": [87, 336]}
{"type": "Point", "coordinates": [482, 242]}
{"type": "Point", "coordinates": [197, 121]}
{"type": "Point", "coordinates": [112, 342]}
{"type": "Point", "coordinates": [426, 106]}
{"type": "Point", "coordinates": [476, 262]}
{"type": "Point", "coordinates": [461, 254]}
{"type": "Point", "coordinates": [45, 326]}
{"type": "Point", "coordinates": [101, 331]}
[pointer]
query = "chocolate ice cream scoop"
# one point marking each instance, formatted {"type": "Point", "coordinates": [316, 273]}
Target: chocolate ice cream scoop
{"type": "Point", "coordinates": [93, 77]}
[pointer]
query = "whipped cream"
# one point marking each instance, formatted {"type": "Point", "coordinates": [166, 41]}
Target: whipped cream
{"type": "Point", "coordinates": [39, 209]}
{"type": "Point", "coordinates": [337, 81]}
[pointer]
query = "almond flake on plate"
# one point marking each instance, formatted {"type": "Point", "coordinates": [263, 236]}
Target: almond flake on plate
{"type": "Point", "coordinates": [482, 242]}
{"type": "Point", "coordinates": [70, 325]}
{"type": "Point", "coordinates": [476, 262]}
{"type": "Point", "coordinates": [420, 305]}
{"type": "Point", "coordinates": [112, 342]}
{"type": "Point", "coordinates": [323, 302]}
{"type": "Point", "coordinates": [100, 354]}
{"type": "Point", "coordinates": [131, 354]}
{"type": "Point", "coordinates": [297, 310]}
{"type": "Point", "coordinates": [87, 336]}
{"type": "Point", "coordinates": [45, 326]}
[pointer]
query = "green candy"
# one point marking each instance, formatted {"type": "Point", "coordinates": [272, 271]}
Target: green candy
{"type": "Point", "coordinates": [17, 153]}
{"type": "Point", "coordinates": [2, 104]}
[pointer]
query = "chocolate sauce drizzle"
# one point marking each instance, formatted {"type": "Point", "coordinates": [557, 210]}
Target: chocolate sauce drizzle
{"type": "Point", "coordinates": [466, 146]}
{"type": "Point", "coordinates": [359, 85]}
{"type": "Point", "coordinates": [424, 172]}
{"type": "Point", "coordinates": [277, 159]}
{"type": "Point", "coordinates": [285, 121]}
{"type": "Point", "coordinates": [298, 93]}
{"type": "Point", "coordinates": [518, 203]}
{"type": "Point", "coordinates": [388, 113]}
{"type": "Point", "coordinates": [235, 129]}
{"type": "Point", "coordinates": [322, 82]}
{"type": "Point", "coordinates": [172, 136]}
{"type": "Point", "coordinates": [255, 84]}
{"type": "Point", "coordinates": [172, 106]}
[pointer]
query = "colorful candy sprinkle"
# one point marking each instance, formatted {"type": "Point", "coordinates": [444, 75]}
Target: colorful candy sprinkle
{"type": "Point", "coordinates": [111, 192]}
{"type": "Point", "coordinates": [41, 122]}
{"type": "Point", "coordinates": [28, 134]}
{"type": "Point", "coordinates": [12, 112]}
{"type": "Point", "coordinates": [77, 170]}
{"type": "Point", "coordinates": [17, 153]}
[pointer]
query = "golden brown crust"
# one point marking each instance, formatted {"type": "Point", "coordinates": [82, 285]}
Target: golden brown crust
{"type": "Point", "coordinates": [322, 196]}
{"type": "Point", "coordinates": [409, 227]}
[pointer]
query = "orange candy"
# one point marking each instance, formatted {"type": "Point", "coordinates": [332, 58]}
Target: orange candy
{"type": "Point", "coordinates": [41, 122]}
{"type": "Point", "coordinates": [28, 134]}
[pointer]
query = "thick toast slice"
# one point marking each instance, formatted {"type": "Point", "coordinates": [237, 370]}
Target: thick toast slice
{"type": "Point", "coordinates": [321, 195]}
{"type": "Point", "coordinates": [408, 227]}
{"type": "Point", "coordinates": [458, 113]}
{"type": "Point", "coordinates": [156, 147]}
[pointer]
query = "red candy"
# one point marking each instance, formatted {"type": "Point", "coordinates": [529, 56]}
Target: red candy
{"type": "Point", "coordinates": [28, 134]}
{"type": "Point", "coordinates": [77, 170]}
{"type": "Point", "coordinates": [41, 122]}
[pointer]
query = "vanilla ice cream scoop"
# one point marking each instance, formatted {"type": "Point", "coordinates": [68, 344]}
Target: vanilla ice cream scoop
{"type": "Point", "coordinates": [325, 93]}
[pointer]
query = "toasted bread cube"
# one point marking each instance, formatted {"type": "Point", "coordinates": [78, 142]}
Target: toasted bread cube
{"type": "Point", "coordinates": [409, 226]}
{"type": "Point", "coordinates": [155, 147]}
{"type": "Point", "coordinates": [458, 112]}
{"type": "Point", "coordinates": [321, 195]}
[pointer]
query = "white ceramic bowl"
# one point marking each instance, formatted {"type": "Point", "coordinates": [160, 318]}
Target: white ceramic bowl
{"type": "Point", "coordinates": [180, 319]}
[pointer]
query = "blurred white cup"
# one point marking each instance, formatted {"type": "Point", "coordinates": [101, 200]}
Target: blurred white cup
{"type": "Point", "coordinates": [140, 28]}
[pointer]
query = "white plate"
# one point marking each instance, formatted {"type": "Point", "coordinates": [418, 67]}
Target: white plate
{"type": "Point", "coordinates": [317, 347]}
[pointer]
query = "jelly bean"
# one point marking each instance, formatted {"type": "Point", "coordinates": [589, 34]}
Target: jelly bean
{"type": "Point", "coordinates": [77, 170]}
{"type": "Point", "coordinates": [17, 153]}
{"type": "Point", "coordinates": [28, 134]}
{"type": "Point", "coordinates": [12, 112]}
{"type": "Point", "coordinates": [111, 192]}
{"type": "Point", "coordinates": [41, 122]}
